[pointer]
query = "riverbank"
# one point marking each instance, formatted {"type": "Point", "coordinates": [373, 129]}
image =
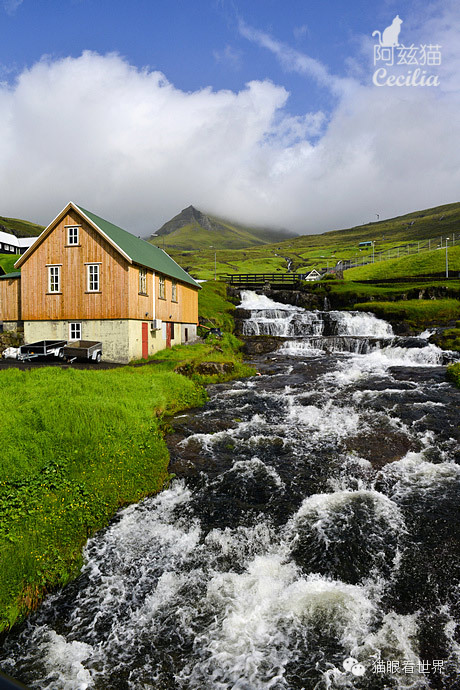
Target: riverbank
{"type": "Point", "coordinates": [79, 444]}
{"type": "Point", "coordinates": [295, 536]}
{"type": "Point", "coordinates": [453, 374]}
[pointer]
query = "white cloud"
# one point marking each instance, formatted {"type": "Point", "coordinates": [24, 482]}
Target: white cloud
{"type": "Point", "coordinates": [301, 31]}
{"type": "Point", "coordinates": [130, 146]}
{"type": "Point", "coordinates": [229, 56]}
{"type": "Point", "coordinates": [295, 61]}
{"type": "Point", "coordinates": [11, 6]}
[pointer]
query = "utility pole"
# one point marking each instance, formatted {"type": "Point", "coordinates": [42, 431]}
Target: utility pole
{"type": "Point", "coordinates": [447, 261]}
{"type": "Point", "coordinates": [215, 262]}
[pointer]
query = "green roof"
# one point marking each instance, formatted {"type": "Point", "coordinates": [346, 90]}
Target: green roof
{"type": "Point", "coordinates": [140, 251]}
{"type": "Point", "coordinates": [16, 274]}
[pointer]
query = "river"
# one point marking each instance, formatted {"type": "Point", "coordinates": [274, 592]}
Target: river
{"type": "Point", "coordinates": [309, 541]}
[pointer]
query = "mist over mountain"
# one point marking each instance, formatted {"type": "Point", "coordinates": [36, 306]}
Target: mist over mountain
{"type": "Point", "coordinates": [191, 229]}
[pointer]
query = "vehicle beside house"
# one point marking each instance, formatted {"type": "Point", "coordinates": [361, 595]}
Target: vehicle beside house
{"type": "Point", "coordinates": [86, 279]}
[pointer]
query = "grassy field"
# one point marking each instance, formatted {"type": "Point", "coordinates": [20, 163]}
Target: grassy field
{"type": "Point", "coordinates": [419, 264]}
{"type": "Point", "coordinates": [419, 313]}
{"type": "Point", "coordinates": [7, 262]}
{"type": "Point", "coordinates": [85, 443]}
{"type": "Point", "coordinates": [213, 307]}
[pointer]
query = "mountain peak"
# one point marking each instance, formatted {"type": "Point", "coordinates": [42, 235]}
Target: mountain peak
{"type": "Point", "coordinates": [188, 216]}
{"type": "Point", "coordinates": [192, 229]}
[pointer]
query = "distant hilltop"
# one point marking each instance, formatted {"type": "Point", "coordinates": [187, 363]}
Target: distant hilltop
{"type": "Point", "coordinates": [20, 228]}
{"type": "Point", "coordinates": [193, 229]}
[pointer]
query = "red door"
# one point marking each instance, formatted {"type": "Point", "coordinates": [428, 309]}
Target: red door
{"type": "Point", "coordinates": [168, 334]}
{"type": "Point", "coordinates": [145, 340]}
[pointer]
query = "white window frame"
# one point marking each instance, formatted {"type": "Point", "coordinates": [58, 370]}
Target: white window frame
{"type": "Point", "coordinates": [73, 236]}
{"type": "Point", "coordinates": [174, 291]}
{"type": "Point", "coordinates": [76, 327]}
{"type": "Point", "coordinates": [143, 281]}
{"type": "Point", "coordinates": [54, 279]}
{"type": "Point", "coordinates": [93, 277]}
{"type": "Point", "coordinates": [162, 288]}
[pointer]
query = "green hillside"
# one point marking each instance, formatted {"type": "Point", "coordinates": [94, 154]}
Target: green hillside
{"type": "Point", "coordinates": [425, 263]}
{"type": "Point", "coordinates": [20, 228]}
{"type": "Point", "coordinates": [191, 229]}
{"type": "Point", "coordinates": [194, 236]}
{"type": "Point", "coordinates": [320, 251]}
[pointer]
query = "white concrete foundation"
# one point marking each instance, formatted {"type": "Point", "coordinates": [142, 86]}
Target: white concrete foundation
{"type": "Point", "coordinates": [121, 338]}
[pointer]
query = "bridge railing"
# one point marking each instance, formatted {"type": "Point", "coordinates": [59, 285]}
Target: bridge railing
{"type": "Point", "coordinates": [261, 278]}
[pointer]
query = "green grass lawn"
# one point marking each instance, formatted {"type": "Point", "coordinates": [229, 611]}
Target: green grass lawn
{"type": "Point", "coordinates": [213, 307]}
{"type": "Point", "coordinates": [7, 262]}
{"type": "Point", "coordinates": [84, 444]}
{"type": "Point", "coordinates": [417, 264]}
{"type": "Point", "coordinates": [418, 313]}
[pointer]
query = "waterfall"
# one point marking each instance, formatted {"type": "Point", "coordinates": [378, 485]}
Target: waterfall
{"type": "Point", "coordinates": [308, 333]}
{"type": "Point", "coordinates": [275, 319]}
{"type": "Point", "coordinates": [310, 539]}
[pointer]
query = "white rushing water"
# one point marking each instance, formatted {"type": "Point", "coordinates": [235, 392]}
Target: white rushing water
{"type": "Point", "coordinates": [320, 501]}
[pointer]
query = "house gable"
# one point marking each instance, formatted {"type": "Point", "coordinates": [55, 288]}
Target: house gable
{"type": "Point", "coordinates": [68, 266]}
{"type": "Point", "coordinates": [72, 209]}
{"type": "Point", "coordinates": [132, 248]}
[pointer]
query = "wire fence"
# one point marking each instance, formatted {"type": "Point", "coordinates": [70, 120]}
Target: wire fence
{"type": "Point", "coordinates": [398, 252]}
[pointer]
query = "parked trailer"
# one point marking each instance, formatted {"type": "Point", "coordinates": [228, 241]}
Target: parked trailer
{"type": "Point", "coordinates": [42, 348]}
{"type": "Point", "coordinates": [83, 349]}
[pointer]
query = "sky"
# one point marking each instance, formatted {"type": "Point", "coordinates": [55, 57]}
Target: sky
{"type": "Point", "coordinates": [276, 113]}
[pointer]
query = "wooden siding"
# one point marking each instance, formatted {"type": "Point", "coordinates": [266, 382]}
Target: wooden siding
{"type": "Point", "coordinates": [185, 310]}
{"type": "Point", "coordinates": [140, 306]}
{"type": "Point", "coordinates": [74, 302]}
{"type": "Point", "coordinates": [10, 299]}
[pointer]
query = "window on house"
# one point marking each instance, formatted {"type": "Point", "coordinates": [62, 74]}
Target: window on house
{"type": "Point", "coordinates": [54, 279]}
{"type": "Point", "coordinates": [162, 290]}
{"type": "Point", "coordinates": [174, 291]}
{"type": "Point", "coordinates": [72, 236]}
{"type": "Point", "coordinates": [93, 277]}
{"type": "Point", "coordinates": [143, 281]}
{"type": "Point", "coordinates": [75, 331]}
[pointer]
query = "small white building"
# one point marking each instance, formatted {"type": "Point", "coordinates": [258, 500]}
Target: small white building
{"type": "Point", "coordinates": [313, 275]}
{"type": "Point", "coordinates": [10, 244]}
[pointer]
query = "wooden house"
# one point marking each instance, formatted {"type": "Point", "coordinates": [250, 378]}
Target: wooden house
{"type": "Point", "coordinates": [86, 278]}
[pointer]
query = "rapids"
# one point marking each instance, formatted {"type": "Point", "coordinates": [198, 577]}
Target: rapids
{"type": "Point", "coordinates": [309, 541]}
